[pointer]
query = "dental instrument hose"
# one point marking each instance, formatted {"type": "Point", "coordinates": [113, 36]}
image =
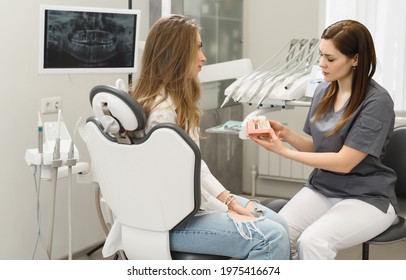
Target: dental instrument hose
{"type": "Point", "coordinates": [70, 162]}
{"type": "Point", "coordinates": [56, 163]}
{"type": "Point", "coordinates": [37, 172]}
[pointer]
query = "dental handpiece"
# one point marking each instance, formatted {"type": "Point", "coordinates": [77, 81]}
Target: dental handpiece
{"type": "Point", "coordinates": [40, 135]}
{"type": "Point", "coordinates": [40, 139]}
{"type": "Point", "coordinates": [241, 80]}
{"type": "Point", "coordinates": [57, 149]}
{"type": "Point", "coordinates": [228, 97]}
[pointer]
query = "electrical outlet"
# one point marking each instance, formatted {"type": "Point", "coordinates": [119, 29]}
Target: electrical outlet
{"type": "Point", "coordinates": [51, 105]}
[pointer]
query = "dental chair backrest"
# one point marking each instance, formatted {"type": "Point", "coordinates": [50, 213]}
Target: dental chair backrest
{"type": "Point", "coordinates": [151, 183]}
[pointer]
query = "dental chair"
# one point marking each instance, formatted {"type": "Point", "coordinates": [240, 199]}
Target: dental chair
{"type": "Point", "coordinates": [151, 183]}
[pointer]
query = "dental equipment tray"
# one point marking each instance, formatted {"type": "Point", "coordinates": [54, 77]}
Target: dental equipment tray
{"type": "Point", "coordinates": [229, 127]}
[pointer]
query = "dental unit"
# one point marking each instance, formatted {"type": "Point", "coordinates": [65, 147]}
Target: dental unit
{"type": "Point", "coordinates": [55, 157]}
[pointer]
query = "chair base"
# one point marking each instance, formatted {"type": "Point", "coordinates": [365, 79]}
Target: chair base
{"type": "Point", "coordinates": [96, 248]}
{"type": "Point", "coordinates": [365, 251]}
{"type": "Point", "coordinates": [193, 256]}
{"type": "Point", "coordinates": [395, 232]}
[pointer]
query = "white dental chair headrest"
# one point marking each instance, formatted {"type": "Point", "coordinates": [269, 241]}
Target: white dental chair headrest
{"type": "Point", "coordinates": [116, 109]}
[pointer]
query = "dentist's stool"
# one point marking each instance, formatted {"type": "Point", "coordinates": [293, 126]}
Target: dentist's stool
{"type": "Point", "coordinates": [151, 183]}
{"type": "Point", "coordinates": [395, 158]}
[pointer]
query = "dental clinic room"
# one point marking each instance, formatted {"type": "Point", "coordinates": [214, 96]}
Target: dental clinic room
{"type": "Point", "coordinates": [203, 130]}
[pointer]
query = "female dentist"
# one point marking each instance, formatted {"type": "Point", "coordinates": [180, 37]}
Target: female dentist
{"type": "Point", "coordinates": [349, 197]}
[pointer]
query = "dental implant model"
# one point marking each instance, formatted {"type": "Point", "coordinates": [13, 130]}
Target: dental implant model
{"type": "Point", "coordinates": [258, 126]}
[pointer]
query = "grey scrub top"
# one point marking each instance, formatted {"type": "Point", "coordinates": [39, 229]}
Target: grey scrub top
{"type": "Point", "coordinates": [368, 130]}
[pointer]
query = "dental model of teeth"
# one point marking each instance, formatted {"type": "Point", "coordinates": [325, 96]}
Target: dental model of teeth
{"type": "Point", "coordinates": [258, 126]}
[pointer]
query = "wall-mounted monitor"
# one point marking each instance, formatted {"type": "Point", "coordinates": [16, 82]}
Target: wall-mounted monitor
{"type": "Point", "coordinates": [88, 40]}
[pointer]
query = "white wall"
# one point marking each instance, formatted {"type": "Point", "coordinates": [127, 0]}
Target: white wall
{"type": "Point", "coordinates": [268, 26]}
{"type": "Point", "coordinates": [21, 91]}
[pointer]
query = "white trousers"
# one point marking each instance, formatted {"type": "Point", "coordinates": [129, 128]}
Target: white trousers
{"type": "Point", "coordinates": [319, 226]}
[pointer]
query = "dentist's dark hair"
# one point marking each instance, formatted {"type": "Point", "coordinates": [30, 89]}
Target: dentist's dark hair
{"type": "Point", "coordinates": [352, 39]}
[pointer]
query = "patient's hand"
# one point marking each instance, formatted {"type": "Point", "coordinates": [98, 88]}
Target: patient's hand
{"type": "Point", "coordinates": [240, 217]}
{"type": "Point", "coordinates": [238, 209]}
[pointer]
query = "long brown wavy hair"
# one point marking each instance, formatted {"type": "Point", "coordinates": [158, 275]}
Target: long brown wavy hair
{"type": "Point", "coordinates": [351, 38]}
{"type": "Point", "coordinates": [167, 65]}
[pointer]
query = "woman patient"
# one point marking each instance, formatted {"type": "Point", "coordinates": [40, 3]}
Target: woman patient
{"type": "Point", "coordinates": [169, 91]}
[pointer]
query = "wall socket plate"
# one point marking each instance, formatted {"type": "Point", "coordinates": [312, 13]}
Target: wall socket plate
{"type": "Point", "coordinates": [51, 105]}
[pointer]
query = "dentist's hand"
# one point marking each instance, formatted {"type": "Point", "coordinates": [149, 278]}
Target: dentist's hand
{"type": "Point", "coordinates": [279, 128]}
{"type": "Point", "coordinates": [272, 142]}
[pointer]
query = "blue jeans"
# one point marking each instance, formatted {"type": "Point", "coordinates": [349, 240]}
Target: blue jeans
{"type": "Point", "coordinates": [266, 238]}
